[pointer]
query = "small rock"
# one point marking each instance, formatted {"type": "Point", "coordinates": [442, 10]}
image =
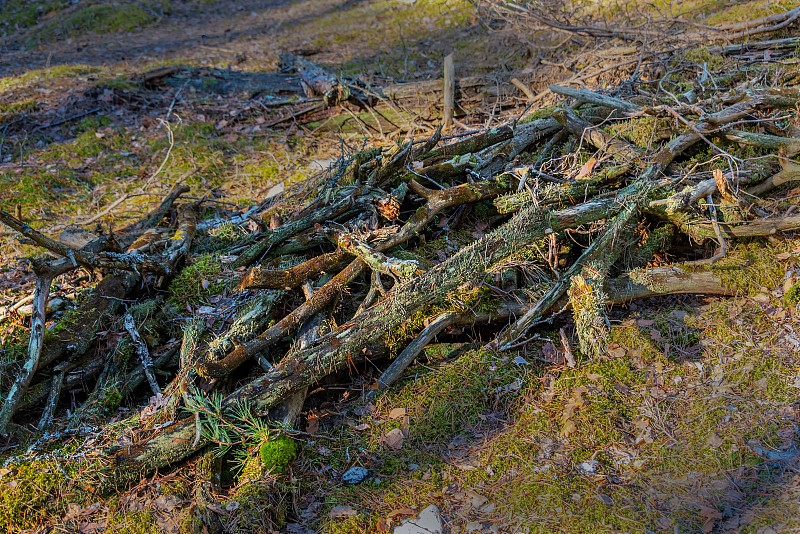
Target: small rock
{"type": "Point", "coordinates": [428, 522]}
{"type": "Point", "coordinates": [342, 511]}
{"type": "Point", "coordinates": [275, 190]}
{"type": "Point", "coordinates": [589, 466]}
{"type": "Point", "coordinates": [354, 475]}
{"type": "Point", "coordinates": [52, 305]}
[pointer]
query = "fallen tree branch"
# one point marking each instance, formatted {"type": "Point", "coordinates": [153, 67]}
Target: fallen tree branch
{"type": "Point", "coordinates": [399, 365]}
{"type": "Point", "coordinates": [143, 353]}
{"type": "Point", "coordinates": [108, 260]}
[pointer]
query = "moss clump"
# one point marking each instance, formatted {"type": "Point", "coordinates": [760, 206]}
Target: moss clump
{"type": "Point", "coordinates": [642, 131]}
{"type": "Point", "coordinates": [588, 310]}
{"type": "Point", "coordinates": [542, 113]}
{"type": "Point", "coordinates": [792, 297]}
{"type": "Point", "coordinates": [277, 454]}
{"type": "Point", "coordinates": [117, 18]}
{"type": "Point", "coordinates": [25, 13]}
{"type": "Point", "coordinates": [262, 508]}
{"type": "Point", "coordinates": [28, 495]}
{"type": "Point", "coordinates": [134, 523]}
{"type": "Point", "coordinates": [446, 401]}
{"type": "Point", "coordinates": [751, 266]}
{"type": "Point", "coordinates": [197, 282]}
{"type": "Point", "coordinates": [701, 55]}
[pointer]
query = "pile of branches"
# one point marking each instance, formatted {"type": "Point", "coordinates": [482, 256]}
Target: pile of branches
{"type": "Point", "coordinates": [562, 215]}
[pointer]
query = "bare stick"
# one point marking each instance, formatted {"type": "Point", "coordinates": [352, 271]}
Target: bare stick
{"type": "Point", "coordinates": [597, 98]}
{"type": "Point", "coordinates": [25, 375]}
{"type": "Point", "coordinates": [377, 261]}
{"type": "Point", "coordinates": [530, 95]}
{"type": "Point", "coordinates": [375, 286]}
{"type": "Point", "coordinates": [398, 366]}
{"type": "Point", "coordinates": [143, 353]}
{"type": "Point", "coordinates": [449, 92]}
{"type": "Point", "coordinates": [52, 399]}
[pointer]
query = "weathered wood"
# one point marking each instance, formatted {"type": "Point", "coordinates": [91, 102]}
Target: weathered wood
{"type": "Point", "coordinates": [596, 98]}
{"type": "Point", "coordinates": [143, 353]}
{"type": "Point", "coordinates": [106, 260]}
{"type": "Point", "coordinates": [289, 229]}
{"type": "Point", "coordinates": [393, 373]}
{"type": "Point", "coordinates": [25, 375]}
{"type": "Point", "coordinates": [599, 246]}
{"type": "Point", "coordinates": [260, 277]}
{"type": "Point", "coordinates": [449, 92]}
{"type": "Point", "coordinates": [346, 344]}
{"type": "Point", "coordinates": [617, 148]}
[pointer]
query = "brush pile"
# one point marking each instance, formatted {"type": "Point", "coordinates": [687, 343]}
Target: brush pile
{"type": "Point", "coordinates": [226, 318]}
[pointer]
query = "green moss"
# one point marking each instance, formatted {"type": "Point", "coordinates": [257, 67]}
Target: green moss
{"type": "Point", "coordinates": [643, 132]}
{"type": "Point", "coordinates": [133, 523]}
{"type": "Point", "coordinates": [443, 403]}
{"type": "Point", "coordinates": [701, 55]}
{"type": "Point", "coordinates": [188, 285]}
{"type": "Point", "coordinates": [541, 113]}
{"type": "Point", "coordinates": [44, 76]}
{"type": "Point", "coordinates": [277, 454]}
{"type": "Point", "coordinates": [26, 13]}
{"type": "Point", "coordinates": [190, 522]}
{"type": "Point", "coordinates": [117, 83]}
{"type": "Point", "coordinates": [28, 494]}
{"type": "Point", "coordinates": [754, 9]}
{"type": "Point", "coordinates": [792, 297]}
{"type": "Point", "coordinates": [115, 18]}
{"type": "Point", "coordinates": [263, 507]}
{"type": "Point", "coordinates": [749, 266]}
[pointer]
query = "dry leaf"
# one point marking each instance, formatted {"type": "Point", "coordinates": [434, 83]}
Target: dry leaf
{"type": "Point", "coordinates": [397, 413]}
{"type": "Point", "coordinates": [313, 424]}
{"type": "Point", "coordinates": [568, 428]}
{"type": "Point", "coordinates": [615, 351]}
{"type": "Point", "coordinates": [401, 512]}
{"type": "Point", "coordinates": [394, 439]}
{"type": "Point", "coordinates": [714, 441]}
{"type": "Point", "coordinates": [586, 168]}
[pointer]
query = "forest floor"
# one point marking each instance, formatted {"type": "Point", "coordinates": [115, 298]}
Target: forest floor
{"type": "Point", "coordinates": [689, 423]}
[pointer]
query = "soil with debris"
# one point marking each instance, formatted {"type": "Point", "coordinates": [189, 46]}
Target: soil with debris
{"type": "Point", "coordinates": [258, 274]}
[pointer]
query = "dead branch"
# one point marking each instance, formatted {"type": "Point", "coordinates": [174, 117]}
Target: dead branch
{"type": "Point", "coordinates": [399, 365]}
{"type": "Point", "coordinates": [143, 353]}
{"type": "Point", "coordinates": [107, 260]}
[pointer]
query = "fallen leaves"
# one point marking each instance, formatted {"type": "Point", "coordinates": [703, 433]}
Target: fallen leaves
{"type": "Point", "coordinates": [394, 439]}
{"type": "Point", "coordinates": [574, 403]}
